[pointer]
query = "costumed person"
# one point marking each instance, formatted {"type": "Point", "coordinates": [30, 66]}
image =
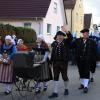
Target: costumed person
{"type": "Point", "coordinates": [1, 42]}
{"type": "Point", "coordinates": [95, 36]}
{"type": "Point", "coordinates": [41, 56]}
{"type": "Point", "coordinates": [21, 46]}
{"type": "Point", "coordinates": [14, 38]}
{"type": "Point", "coordinates": [86, 52]}
{"type": "Point", "coordinates": [59, 60]}
{"type": "Point", "coordinates": [73, 62]}
{"type": "Point", "coordinates": [98, 60]}
{"type": "Point", "coordinates": [6, 70]}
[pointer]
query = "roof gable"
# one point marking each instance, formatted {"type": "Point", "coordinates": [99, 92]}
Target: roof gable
{"type": "Point", "coordinates": [69, 4]}
{"type": "Point", "coordinates": [23, 8]}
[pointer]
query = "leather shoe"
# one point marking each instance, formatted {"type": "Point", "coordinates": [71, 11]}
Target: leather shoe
{"type": "Point", "coordinates": [45, 89]}
{"type": "Point", "coordinates": [37, 91]}
{"type": "Point", "coordinates": [81, 87]}
{"type": "Point", "coordinates": [92, 79]}
{"type": "Point", "coordinates": [53, 95]}
{"type": "Point", "coordinates": [66, 92]}
{"type": "Point", "coordinates": [7, 92]}
{"type": "Point", "coordinates": [85, 90]}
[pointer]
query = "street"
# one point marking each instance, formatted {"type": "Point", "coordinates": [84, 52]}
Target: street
{"type": "Point", "coordinates": [74, 93]}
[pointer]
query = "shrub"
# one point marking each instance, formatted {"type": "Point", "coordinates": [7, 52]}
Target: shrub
{"type": "Point", "coordinates": [28, 35]}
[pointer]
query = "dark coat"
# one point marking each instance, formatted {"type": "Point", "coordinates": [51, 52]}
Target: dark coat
{"type": "Point", "coordinates": [62, 54]}
{"type": "Point", "coordinates": [87, 51]}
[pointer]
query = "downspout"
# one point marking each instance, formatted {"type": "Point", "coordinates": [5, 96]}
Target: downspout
{"type": "Point", "coordinates": [39, 25]}
{"type": "Point", "coordinates": [71, 19]}
{"type": "Point", "coordinates": [65, 14]}
{"type": "Point", "coordinates": [40, 28]}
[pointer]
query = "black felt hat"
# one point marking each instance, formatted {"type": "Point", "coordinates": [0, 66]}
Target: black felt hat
{"type": "Point", "coordinates": [59, 33]}
{"type": "Point", "coordinates": [84, 30]}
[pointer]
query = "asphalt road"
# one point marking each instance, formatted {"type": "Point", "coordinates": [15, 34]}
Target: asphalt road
{"type": "Point", "coordinates": [74, 93]}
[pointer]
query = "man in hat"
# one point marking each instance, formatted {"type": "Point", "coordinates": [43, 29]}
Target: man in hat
{"type": "Point", "coordinates": [86, 51]}
{"type": "Point", "coordinates": [59, 59]}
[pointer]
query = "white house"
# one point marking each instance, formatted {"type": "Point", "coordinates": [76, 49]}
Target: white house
{"type": "Point", "coordinates": [44, 16]}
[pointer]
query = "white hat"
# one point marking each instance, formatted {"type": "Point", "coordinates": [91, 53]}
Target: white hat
{"type": "Point", "coordinates": [20, 41]}
{"type": "Point", "coordinates": [41, 37]}
{"type": "Point", "coordinates": [8, 37]}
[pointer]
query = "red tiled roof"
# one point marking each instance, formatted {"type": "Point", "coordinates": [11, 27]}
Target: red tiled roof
{"type": "Point", "coordinates": [69, 4]}
{"type": "Point", "coordinates": [87, 20]}
{"type": "Point", "coordinates": [23, 8]}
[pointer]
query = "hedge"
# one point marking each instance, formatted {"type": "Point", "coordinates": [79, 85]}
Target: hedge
{"type": "Point", "coordinates": [27, 34]}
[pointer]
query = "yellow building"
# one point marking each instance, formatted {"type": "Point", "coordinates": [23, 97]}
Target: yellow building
{"type": "Point", "coordinates": [75, 15]}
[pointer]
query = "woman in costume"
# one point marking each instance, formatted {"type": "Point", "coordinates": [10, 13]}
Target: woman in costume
{"type": "Point", "coordinates": [6, 70]}
{"type": "Point", "coordinates": [41, 56]}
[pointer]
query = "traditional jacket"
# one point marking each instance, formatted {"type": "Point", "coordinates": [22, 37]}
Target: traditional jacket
{"type": "Point", "coordinates": [22, 47]}
{"type": "Point", "coordinates": [43, 47]}
{"type": "Point", "coordinates": [60, 51]}
{"type": "Point", "coordinates": [10, 49]}
{"type": "Point", "coordinates": [44, 71]}
{"type": "Point", "coordinates": [85, 50]}
{"type": "Point", "coordinates": [6, 70]}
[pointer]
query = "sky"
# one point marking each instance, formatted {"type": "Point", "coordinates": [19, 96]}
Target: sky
{"type": "Point", "coordinates": [93, 6]}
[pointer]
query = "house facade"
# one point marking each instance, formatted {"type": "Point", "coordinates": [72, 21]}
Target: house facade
{"type": "Point", "coordinates": [75, 15]}
{"type": "Point", "coordinates": [54, 19]}
{"type": "Point", "coordinates": [45, 17]}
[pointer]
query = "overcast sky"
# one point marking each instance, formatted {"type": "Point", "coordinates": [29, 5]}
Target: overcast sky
{"type": "Point", "coordinates": [93, 6]}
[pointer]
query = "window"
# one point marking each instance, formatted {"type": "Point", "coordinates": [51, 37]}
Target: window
{"type": "Point", "coordinates": [55, 7]}
{"type": "Point", "coordinates": [27, 25]}
{"type": "Point", "coordinates": [58, 28]}
{"type": "Point", "coordinates": [49, 28]}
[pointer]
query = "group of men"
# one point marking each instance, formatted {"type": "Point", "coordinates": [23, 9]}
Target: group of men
{"type": "Point", "coordinates": [85, 56]}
